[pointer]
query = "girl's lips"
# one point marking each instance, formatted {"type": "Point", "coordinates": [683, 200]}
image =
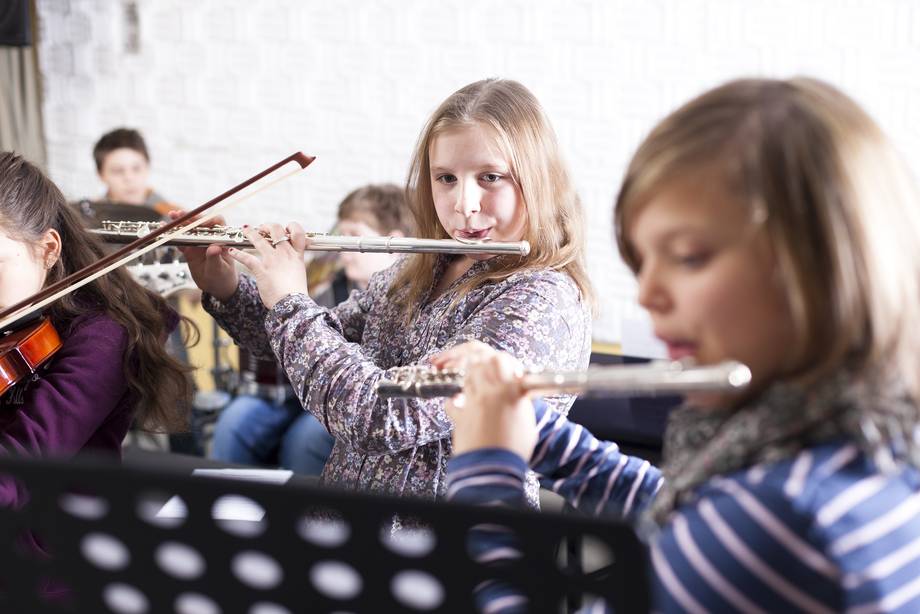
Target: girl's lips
{"type": "Point", "coordinates": [680, 350]}
{"type": "Point", "coordinates": [473, 234]}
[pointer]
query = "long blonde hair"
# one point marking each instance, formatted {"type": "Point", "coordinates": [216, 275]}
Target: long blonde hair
{"type": "Point", "coordinates": [834, 198]}
{"type": "Point", "coordinates": [555, 224]}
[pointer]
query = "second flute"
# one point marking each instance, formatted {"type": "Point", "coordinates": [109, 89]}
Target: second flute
{"type": "Point", "coordinates": [125, 232]}
{"type": "Point", "coordinates": [654, 378]}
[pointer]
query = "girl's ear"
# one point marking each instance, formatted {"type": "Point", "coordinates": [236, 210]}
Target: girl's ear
{"type": "Point", "coordinates": [50, 246]}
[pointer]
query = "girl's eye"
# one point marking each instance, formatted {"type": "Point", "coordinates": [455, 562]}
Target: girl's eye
{"type": "Point", "coordinates": [446, 178]}
{"type": "Point", "coordinates": [491, 177]}
{"type": "Point", "coordinates": [692, 261]}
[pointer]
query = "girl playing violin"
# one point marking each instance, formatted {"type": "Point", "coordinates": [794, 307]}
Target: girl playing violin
{"type": "Point", "coordinates": [486, 167]}
{"type": "Point", "coordinates": [773, 223]}
{"type": "Point", "coordinates": [112, 367]}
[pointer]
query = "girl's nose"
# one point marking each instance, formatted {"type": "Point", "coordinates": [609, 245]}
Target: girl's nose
{"type": "Point", "coordinates": [653, 294]}
{"type": "Point", "coordinates": [468, 201]}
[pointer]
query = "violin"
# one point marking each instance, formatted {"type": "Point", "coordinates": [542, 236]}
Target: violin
{"type": "Point", "coordinates": [24, 350]}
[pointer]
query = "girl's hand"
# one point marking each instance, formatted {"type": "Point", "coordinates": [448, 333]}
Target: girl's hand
{"type": "Point", "coordinates": [458, 357]}
{"type": "Point", "coordinates": [211, 267]}
{"type": "Point", "coordinates": [279, 268]}
{"type": "Point", "coordinates": [494, 411]}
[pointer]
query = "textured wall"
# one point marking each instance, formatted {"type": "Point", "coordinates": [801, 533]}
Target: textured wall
{"type": "Point", "coordinates": [222, 88]}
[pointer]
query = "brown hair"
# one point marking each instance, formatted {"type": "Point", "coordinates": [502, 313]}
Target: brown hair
{"type": "Point", "coordinates": [30, 205]}
{"type": "Point", "coordinates": [555, 225]}
{"type": "Point", "coordinates": [120, 138]}
{"type": "Point", "coordinates": [835, 200]}
{"type": "Point", "coordinates": [383, 206]}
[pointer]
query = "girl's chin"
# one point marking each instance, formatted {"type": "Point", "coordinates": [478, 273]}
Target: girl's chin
{"type": "Point", "coordinates": [722, 400]}
{"type": "Point", "coordinates": [130, 199]}
{"type": "Point", "coordinates": [712, 401]}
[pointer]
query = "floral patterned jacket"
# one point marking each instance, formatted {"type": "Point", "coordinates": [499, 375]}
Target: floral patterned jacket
{"type": "Point", "coordinates": [334, 358]}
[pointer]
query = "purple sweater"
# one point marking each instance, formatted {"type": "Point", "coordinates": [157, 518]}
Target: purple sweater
{"type": "Point", "coordinates": [79, 401]}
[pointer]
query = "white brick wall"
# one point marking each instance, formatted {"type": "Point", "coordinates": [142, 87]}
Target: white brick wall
{"type": "Point", "coordinates": [223, 88]}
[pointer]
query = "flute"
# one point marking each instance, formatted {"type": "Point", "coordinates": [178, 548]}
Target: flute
{"type": "Point", "coordinates": [126, 232]}
{"type": "Point", "coordinates": [660, 377]}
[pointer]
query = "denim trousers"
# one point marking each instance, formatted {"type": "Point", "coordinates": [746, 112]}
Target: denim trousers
{"type": "Point", "coordinates": [255, 431]}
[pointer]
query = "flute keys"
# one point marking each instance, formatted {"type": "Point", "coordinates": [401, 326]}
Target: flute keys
{"type": "Point", "coordinates": [420, 381]}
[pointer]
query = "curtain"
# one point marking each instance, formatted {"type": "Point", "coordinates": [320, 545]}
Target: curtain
{"type": "Point", "coordinates": [20, 99]}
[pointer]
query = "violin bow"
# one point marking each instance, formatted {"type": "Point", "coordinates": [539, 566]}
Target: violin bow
{"type": "Point", "coordinates": [152, 240]}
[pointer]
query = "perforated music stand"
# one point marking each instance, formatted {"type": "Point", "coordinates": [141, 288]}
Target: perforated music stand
{"type": "Point", "coordinates": [112, 548]}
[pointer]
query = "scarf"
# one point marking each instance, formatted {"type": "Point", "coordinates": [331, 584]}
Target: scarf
{"type": "Point", "coordinates": [876, 413]}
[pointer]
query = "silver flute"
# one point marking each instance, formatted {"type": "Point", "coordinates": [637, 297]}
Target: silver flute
{"type": "Point", "coordinates": [126, 232]}
{"type": "Point", "coordinates": [660, 377]}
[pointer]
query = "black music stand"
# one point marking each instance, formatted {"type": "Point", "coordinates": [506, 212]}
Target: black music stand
{"type": "Point", "coordinates": [112, 549]}
{"type": "Point", "coordinates": [94, 212]}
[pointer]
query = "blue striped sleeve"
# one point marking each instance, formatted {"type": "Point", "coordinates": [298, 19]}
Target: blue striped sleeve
{"type": "Point", "coordinates": [824, 531]}
{"type": "Point", "coordinates": [735, 549]}
{"type": "Point", "coordinates": [591, 475]}
{"type": "Point", "coordinates": [488, 476]}
{"type": "Point", "coordinates": [491, 476]}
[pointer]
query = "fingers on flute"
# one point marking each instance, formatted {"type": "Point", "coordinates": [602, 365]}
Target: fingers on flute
{"type": "Point", "coordinates": [259, 242]}
{"type": "Point", "coordinates": [298, 236]}
{"type": "Point", "coordinates": [460, 356]}
{"type": "Point", "coordinates": [274, 231]}
{"type": "Point", "coordinates": [441, 360]}
{"type": "Point", "coordinates": [498, 369]}
{"type": "Point", "coordinates": [277, 236]}
{"type": "Point", "coordinates": [507, 366]}
{"type": "Point", "coordinates": [247, 260]}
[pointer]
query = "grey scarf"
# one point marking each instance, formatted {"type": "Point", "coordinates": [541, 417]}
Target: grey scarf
{"type": "Point", "coordinates": [876, 413]}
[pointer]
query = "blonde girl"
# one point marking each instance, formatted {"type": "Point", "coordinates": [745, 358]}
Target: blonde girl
{"type": "Point", "coordinates": [769, 222]}
{"type": "Point", "coordinates": [486, 167]}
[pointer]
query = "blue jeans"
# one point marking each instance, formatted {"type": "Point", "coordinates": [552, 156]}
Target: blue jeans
{"type": "Point", "coordinates": [253, 431]}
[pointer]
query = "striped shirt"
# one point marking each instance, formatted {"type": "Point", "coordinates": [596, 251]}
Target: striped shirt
{"type": "Point", "coordinates": [823, 531]}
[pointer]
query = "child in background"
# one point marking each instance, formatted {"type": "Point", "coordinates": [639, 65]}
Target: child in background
{"type": "Point", "coordinates": [253, 430]}
{"type": "Point", "coordinates": [486, 167]}
{"type": "Point", "coordinates": [773, 223]}
{"type": "Point", "coordinates": [123, 165]}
